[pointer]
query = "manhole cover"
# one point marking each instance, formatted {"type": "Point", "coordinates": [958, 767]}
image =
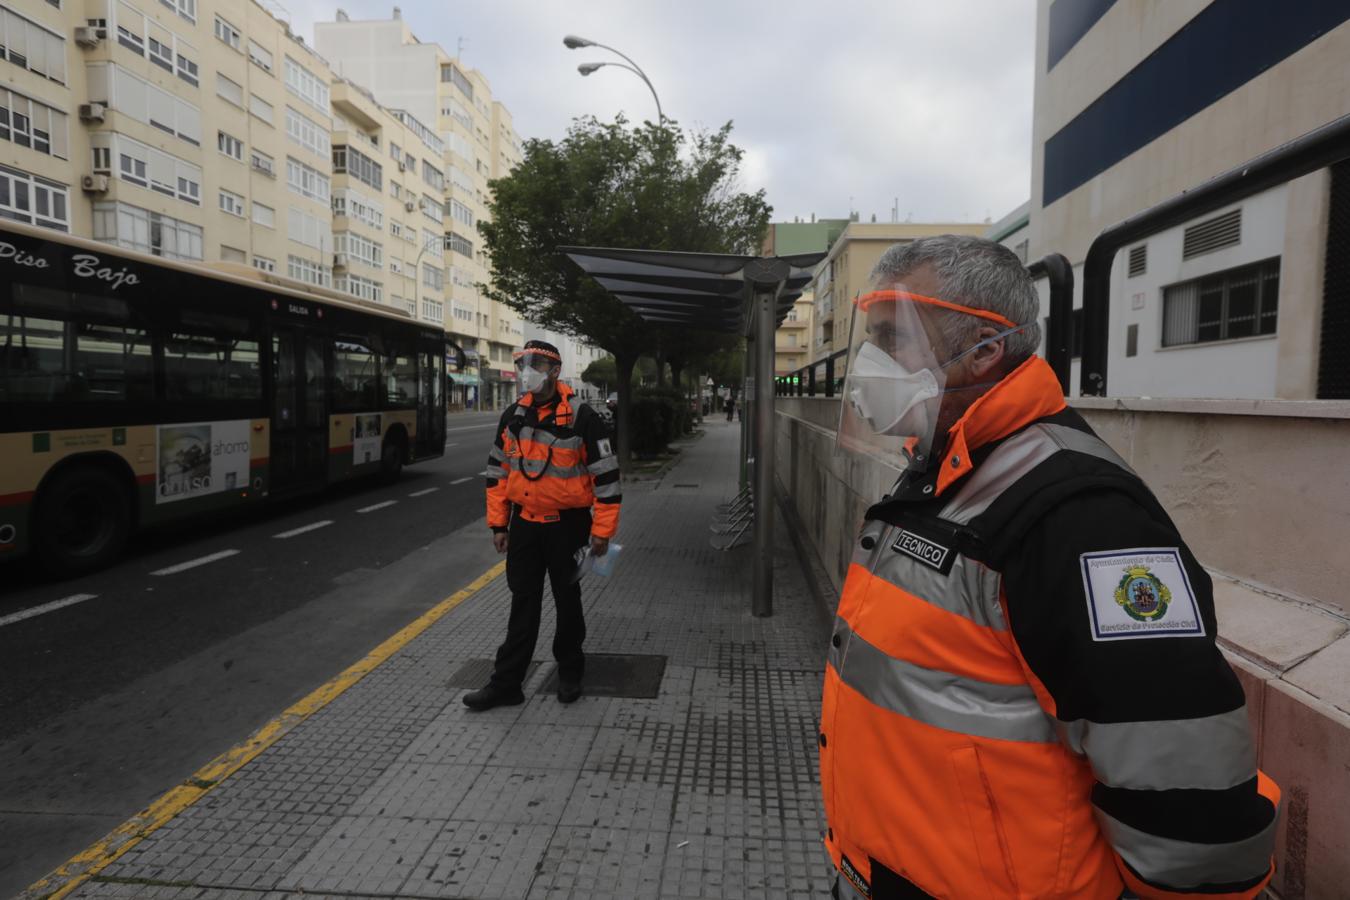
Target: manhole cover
{"type": "Point", "coordinates": [476, 672]}
{"type": "Point", "coordinates": [617, 675]}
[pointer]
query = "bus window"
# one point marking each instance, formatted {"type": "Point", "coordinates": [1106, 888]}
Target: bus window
{"type": "Point", "coordinates": [60, 346]}
{"type": "Point", "coordinates": [33, 359]}
{"type": "Point", "coordinates": [354, 375]}
{"type": "Point", "coordinates": [400, 379]}
{"type": "Point", "coordinates": [209, 367]}
{"type": "Point", "coordinates": [114, 362]}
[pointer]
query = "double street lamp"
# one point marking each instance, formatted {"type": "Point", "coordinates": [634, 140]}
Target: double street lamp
{"type": "Point", "coordinates": [572, 42]}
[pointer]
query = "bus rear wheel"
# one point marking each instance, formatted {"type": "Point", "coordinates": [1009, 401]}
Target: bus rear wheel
{"type": "Point", "coordinates": [391, 458]}
{"type": "Point", "coordinates": [83, 520]}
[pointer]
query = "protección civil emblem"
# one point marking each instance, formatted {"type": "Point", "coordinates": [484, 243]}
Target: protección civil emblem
{"type": "Point", "coordinates": [1142, 595]}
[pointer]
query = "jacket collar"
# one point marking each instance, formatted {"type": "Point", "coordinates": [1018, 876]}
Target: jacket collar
{"type": "Point", "coordinates": [562, 398]}
{"type": "Point", "coordinates": [1028, 393]}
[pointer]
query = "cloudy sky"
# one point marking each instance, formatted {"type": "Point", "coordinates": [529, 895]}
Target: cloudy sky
{"type": "Point", "coordinates": [834, 101]}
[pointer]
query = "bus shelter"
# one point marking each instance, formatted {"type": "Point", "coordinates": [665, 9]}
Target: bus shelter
{"type": "Point", "coordinates": [746, 295]}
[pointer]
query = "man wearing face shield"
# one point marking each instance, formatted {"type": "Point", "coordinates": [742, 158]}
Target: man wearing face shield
{"type": "Point", "coordinates": [552, 486]}
{"type": "Point", "coordinates": [1023, 696]}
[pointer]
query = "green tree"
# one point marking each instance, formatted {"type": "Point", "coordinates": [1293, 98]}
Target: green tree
{"type": "Point", "coordinates": [608, 185]}
{"type": "Point", "coordinates": [603, 374]}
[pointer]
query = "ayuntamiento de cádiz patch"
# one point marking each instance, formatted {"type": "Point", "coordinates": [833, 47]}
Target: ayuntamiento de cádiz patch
{"type": "Point", "coordinates": [1139, 593]}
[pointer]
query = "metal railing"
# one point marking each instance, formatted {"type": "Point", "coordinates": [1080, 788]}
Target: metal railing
{"type": "Point", "coordinates": [824, 377]}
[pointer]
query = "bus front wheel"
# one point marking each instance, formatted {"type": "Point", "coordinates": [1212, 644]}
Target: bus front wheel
{"type": "Point", "coordinates": [83, 520]}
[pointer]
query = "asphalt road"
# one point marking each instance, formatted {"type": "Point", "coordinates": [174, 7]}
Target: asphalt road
{"type": "Point", "coordinates": [156, 666]}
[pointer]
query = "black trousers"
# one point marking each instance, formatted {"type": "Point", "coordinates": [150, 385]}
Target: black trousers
{"type": "Point", "coordinates": [536, 548]}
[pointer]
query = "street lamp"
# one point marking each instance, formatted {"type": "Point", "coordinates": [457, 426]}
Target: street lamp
{"type": "Point", "coordinates": [572, 42]}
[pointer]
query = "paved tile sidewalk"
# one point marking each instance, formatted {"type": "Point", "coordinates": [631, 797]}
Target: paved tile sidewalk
{"type": "Point", "coordinates": [396, 790]}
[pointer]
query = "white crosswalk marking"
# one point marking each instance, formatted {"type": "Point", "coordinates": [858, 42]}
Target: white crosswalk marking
{"type": "Point", "coordinates": [45, 608]}
{"type": "Point", "coordinates": [375, 506]}
{"type": "Point", "coordinates": [304, 528]}
{"type": "Point", "coordinates": [194, 563]}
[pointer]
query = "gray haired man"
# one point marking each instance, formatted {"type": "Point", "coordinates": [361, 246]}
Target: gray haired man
{"type": "Point", "coordinates": [1023, 696]}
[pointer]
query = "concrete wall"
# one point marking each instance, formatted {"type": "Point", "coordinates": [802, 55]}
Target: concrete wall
{"type": "Point", "coordinates": [1261, 492]}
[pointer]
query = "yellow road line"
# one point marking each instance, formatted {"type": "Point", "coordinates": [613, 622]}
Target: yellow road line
{"type": "Point", "coordinates": [93, 860]}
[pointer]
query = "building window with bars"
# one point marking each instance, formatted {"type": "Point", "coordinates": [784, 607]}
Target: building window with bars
{"type": "Point", "coordinates": [1236, 303]}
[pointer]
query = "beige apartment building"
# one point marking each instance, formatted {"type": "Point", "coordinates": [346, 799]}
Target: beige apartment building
{"type": "Point", "coordinates": [843, 274]}
{"type": "Point", "coordinates": [479, 143]}
{"type": "Point", "coordinates": [163, 127]}
{"type": "Point", "coordinates": [792, 340]}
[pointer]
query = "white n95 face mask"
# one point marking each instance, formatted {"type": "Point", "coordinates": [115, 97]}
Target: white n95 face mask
{"type": "Point", "coordinates": [889, 397]}
{"type": "Point", "coordinates": [532, 380]}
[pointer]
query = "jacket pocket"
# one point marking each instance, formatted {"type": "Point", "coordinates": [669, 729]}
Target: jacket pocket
{"type": "Point", "coordinates": [988, 838]}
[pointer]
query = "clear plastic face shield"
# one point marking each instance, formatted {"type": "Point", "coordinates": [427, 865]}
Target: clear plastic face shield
{"type": "Point", "coordinates": [898, 364]}
{"type": "Point", "coordinates": [534, 367]}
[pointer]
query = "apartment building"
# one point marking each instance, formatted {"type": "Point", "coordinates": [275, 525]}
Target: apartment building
{"type": "Point", "coordinates": [1244, 303]}
{"type": "Point", "coordinates": [388, 208]}
{"type": "Point", "coordinates": [162, 126]}
{"type": "Point", "coordinates": [792, 340]}
{"type": "Point", "coordinates": [843, 274]}
{"type": "Point", "coordinates": [479, 143]}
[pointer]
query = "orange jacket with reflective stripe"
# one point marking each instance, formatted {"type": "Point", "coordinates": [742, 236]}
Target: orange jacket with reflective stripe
{"type": "Point", "coordinates": [983, 733]}
{"type": "Point", "coordinates": [545, 461]}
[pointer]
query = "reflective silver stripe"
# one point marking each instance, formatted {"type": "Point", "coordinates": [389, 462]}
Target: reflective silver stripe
{"type": "Point", "coordinates": [970, 590]}
{"type": "Point", "coordinates": [548, 439]}
{"type": "Point", "coordinates": [880, 533]}
{"type": "Point", "coordinates": [1209, 753]}
{"type": "Point", "coordinates": [1182, 864]}
{"type": "Point", "coordinates": [1006, 712]}
{"type": "Point", "coordinates": [495, 472]}
{"type": "Point", "coordinates": [604, 464]}
{"type": "Point", "coordinates": [1015, 458]}
{"type": "Point", "coordinates": [607, 490]}
{"type": "Point", "coordinates": [534, 467]}
{"type": "Point", "coordinates": [495, 453]}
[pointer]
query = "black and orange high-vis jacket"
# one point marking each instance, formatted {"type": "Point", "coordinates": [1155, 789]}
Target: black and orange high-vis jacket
{"type": "Point", "coordinates": [546, 461]}
{"type": "Point", "coordinates": [1023, 696]}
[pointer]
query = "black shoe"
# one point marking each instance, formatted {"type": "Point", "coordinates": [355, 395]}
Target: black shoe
{"type": "Point", "coordinates": [492, 695]}
{"type": "Point", "coordinates": [569, 691]}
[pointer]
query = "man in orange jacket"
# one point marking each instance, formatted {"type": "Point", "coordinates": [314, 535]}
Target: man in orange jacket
{"type": "Point", "coordinates": [552, 486]}
{"type": "Point", "coordinates": [1023, 697]}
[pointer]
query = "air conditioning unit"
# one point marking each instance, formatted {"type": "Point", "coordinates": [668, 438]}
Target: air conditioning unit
{"type": "Point", "coordinates": [264, 168]}
{"type": "Point", "coordinates": [422, 204]}
{"type": "Point", "coordinates": [88, 35]}
{"type": "Point", "coordinates": [410, 206]}
{"type": "Point", "coordinates": [94, 184]}
{"type": "Point", "coordinates": [402, 166]}
{"type": "Point", "coordinates": [339, 260]}
{"type": "Point", "coordinates": [92, 112]}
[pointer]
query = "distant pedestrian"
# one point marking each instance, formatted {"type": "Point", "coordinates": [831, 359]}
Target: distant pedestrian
{"type": "Point", "coordinates": [1023, 695]}
{"type": "Point", "coordinates": [552, 487]}
{"type": "Point", "coordinates": [731, 407]}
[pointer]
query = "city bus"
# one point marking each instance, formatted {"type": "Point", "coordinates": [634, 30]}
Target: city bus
{"type": "Point", "coordinates": [137, 391]}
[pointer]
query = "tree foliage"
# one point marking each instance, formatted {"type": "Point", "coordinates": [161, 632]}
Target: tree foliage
{"type": "Point", "coordinates": [608, 185]}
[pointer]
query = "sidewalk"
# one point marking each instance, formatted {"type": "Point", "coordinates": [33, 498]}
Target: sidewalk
{"type": "Point", "coordinates": [394, 789]}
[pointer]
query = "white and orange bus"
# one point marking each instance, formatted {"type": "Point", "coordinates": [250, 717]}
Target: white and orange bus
{"type": "Point", "coordinates": [136, 391]}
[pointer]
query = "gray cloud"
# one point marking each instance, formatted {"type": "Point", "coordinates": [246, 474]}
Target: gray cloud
{"type": "Point", "coordinates": [928, 101]}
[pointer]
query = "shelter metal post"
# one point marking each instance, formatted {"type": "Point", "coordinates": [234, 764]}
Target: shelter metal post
{"type": "Point", "coordinates": [765, 321]}
{"type": "Point", "coordinates": [744, 418]}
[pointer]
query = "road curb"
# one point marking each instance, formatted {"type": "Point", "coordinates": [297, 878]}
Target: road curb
{"type": "Point", "coordinates": [88, 863]}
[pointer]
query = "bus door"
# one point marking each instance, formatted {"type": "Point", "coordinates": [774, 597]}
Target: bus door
{"type": "Point", "coordinates": [431, 400]}
{"type": "Point", "coordinates": [299, 454]}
